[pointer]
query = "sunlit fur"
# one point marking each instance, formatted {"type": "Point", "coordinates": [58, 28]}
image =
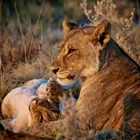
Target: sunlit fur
{"type": "Point", "coordinates": [110, 90]}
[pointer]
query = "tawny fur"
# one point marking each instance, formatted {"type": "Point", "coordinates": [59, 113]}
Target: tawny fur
{"type": "Point", "coordinates": [110, 90]}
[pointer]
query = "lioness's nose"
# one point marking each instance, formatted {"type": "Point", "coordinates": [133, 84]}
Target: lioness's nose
{"type": "Point", "coordinates": [54, 69]}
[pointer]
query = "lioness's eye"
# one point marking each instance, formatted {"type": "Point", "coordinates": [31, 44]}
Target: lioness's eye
{"type": "Point", "coordinates": [71, 51]}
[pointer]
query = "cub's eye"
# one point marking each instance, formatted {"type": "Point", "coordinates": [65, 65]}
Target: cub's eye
{"type": "Point", "coordinates": [71, 51]}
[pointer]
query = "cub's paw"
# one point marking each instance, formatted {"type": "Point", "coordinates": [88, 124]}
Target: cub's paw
{"type": "Point", "coordinates": [38, 103]}
{"type": "Point", "coordinates": [41, 111]}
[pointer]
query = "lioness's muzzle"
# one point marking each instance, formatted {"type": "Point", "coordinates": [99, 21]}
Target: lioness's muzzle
{"type": "Point", "coordinates": [54, 69]}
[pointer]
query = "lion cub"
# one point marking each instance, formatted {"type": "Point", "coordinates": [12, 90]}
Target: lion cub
{"type": "Point", "coordinates": [46, 107]}
{"type": "Point", "coordinates": [36, 101]}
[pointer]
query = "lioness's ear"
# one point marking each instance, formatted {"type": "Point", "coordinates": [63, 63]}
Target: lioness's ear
{"type": "Point", "coordinates": [103, 32]}
{"type": "Point", "coordinates": [67, 26]}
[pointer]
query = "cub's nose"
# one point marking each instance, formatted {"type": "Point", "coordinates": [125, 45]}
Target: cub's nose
{"type": "Point", "coordinates": [54, 69]}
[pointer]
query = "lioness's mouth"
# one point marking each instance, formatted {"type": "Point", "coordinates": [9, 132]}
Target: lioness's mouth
{"type": "Point", "coordinates": [62, 75]}
{"type": "Point", "coordinates": [65, 78]}
{"type": "Point", "coordinates": [71, 77]}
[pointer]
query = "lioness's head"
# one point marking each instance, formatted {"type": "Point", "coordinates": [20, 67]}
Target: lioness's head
{"type": "Point", "coordinates": [79, 51]}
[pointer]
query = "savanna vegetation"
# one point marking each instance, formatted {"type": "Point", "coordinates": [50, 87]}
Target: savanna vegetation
{"type": "Point", "coordinates": [31, 30]}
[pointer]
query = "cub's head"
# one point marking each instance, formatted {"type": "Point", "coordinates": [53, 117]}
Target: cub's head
{"type": "Point", "coordinates": [79, 51]}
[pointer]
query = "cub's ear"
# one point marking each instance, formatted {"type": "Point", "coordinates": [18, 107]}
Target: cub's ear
{"type": "Point", "coordinates": [67, 26]}
{"type": "Point", "coordinates": [103, 32]}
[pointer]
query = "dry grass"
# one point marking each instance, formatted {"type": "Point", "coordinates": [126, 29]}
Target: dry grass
{"type": "Point", "coordinates": [15, 50]}
{"type": "Point", "coordinates": [25, 58]}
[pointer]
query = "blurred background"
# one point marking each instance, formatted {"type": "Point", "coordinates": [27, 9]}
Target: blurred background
{"type": "Point", "coordinates": [51, 12]}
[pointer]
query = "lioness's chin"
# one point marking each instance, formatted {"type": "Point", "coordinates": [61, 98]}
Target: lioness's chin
{"type": "Point", "coordinates": [65, 81]}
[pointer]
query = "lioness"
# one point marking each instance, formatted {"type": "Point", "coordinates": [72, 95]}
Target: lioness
{"type": "Point", "coordinates": [110, 79]}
